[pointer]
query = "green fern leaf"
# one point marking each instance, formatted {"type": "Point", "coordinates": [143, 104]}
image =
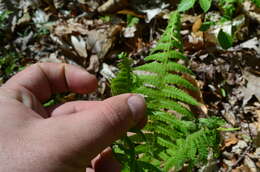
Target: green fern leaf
{"type": "Point", "coordinates": [175, 93]}
{"type": "Point", "coordinates": [167, 46]}
{"type": "Point", "coordinates": [173, 135]}
{"type": "Point", "coordinates": [123, 83]}
{"type": "Point", "coordinates": [164, 156]}
{"type": "Point", "coordinates": [150, 79]}
{"type": "Point", "coordinates": [161, 57]}
{"type": "Point", "coordinates": [171, 105]}
{"type": "Point", "coordinates": [176, 79]}
{"type": "Point", "coordinates": [172, 66]}
{"type": "Point", "coordinates": [154, 67]}
{"type": "Point", "coordinates": [163, 142]}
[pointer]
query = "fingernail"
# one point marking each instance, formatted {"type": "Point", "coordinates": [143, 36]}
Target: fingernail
{"type": "Point", "coordinates": [136, 104]}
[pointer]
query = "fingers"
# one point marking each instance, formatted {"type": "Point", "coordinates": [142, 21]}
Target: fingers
{"type": "Point", "coordinates": [78, 106]}
{"type": "Point", "coordinates": [98, 127]}
{"type": "Point", "coordinates": [45, 79]}
{"type": "Point", "coordinates": [71, 107]}
{"type": "Point", "coordinates": [105, 161]}
{"type": "Point", "coordinates": [25, 97]}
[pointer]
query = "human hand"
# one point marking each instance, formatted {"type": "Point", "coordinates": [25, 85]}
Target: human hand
{"type": "Point", "coordinates": [65, 138]}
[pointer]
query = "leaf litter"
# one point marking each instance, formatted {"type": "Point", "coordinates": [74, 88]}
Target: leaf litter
{"type": "Point", "coordinates": [92, 33]}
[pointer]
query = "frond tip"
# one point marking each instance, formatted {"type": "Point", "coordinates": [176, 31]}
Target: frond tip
{"type": "Point", "coordinates": [123, 83]}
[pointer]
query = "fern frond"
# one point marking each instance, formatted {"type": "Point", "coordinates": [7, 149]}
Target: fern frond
{"type": "Point", "coordinates": [137, 138]}
{"type": "Point", "coordinates": [150, 92]}
{"type": "Point", "coordinates": [164, 156]}
{"type": "Point", "coordinates": [164, 56]}
{"type": "Point", "coordinates": [168, 79]}
{"type": "Point", "coordinates": [143, 148]}
{"type": "Point", "coordinates": [123, 83]}
{"type": "Point", "coordinates": [147, 167]}
{"type": "Point", "coordinates": [166, 143]}
{"type": "Point", "coordinates": [172, 66]}
{"type": "Point", "coordinates": [169, 132]}
{"type": "Point", "coordinates": [171, 105]}
{"type": "Point", "coordinates": [175, 93]}
{"type": "Point", "coordinates": [164, 46]}
{"type": "Point", "coordinates": [176, 79]}
{"type": "Point", "coordinates": [150, 79]}
{"type": "Point", "coordinates": [173, 136]}
{"type": "Point", "coordinates": [154, 67]}
{"type": "Point", "coordinates": [184, 126]}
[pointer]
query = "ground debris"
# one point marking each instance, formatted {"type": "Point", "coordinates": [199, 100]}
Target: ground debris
{"type": "Point", "coordinates": [91, 33]}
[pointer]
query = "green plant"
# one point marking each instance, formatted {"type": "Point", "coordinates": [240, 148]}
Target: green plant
{"type": "Point", "coordinates": [173, 135]}
{"type": "Point", "coordinates": [228, 9]}
{"type": "Point", "coordinates": [257, 3]}
{"type": "Point", "coordinates": [132, 20]}
{"type": "Point", "coordinates": [3, 18]}
{"type": "Point", "coordinates": [105, 18]}
{"type": "Point", "coordinates": [228, 6]}
{"type": "Point", "coordinates": [185, 5]}
{"type": "Point", "coordinates": [225, 40]}
{"type": "Point", "coordinates": [3, 22]}
{"type": "Point", "coordinates": [9, 64]}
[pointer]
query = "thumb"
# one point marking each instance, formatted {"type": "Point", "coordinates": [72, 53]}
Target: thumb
{"type": "Point", "coordinates": [90, 131]}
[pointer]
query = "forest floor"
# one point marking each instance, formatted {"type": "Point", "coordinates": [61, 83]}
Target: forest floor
{"type": "Point", "coordinates": [92, 33]}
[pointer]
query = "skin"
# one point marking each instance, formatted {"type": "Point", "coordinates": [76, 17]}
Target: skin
{"type": "Point", "coordinates": [72, 137]}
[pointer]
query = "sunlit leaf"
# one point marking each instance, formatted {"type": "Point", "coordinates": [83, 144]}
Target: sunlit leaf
{"type": "Point", "coordinates": [225, 40]}
{"type": "Point", "coordinates": [205, 4]}
{"type": "Point", "coordinates": [186, 5]}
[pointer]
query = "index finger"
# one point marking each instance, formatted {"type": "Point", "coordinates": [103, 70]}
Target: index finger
{"type": "Point", "coordinates": [45, 79]}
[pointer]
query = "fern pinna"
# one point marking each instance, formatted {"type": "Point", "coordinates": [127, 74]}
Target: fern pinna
{"type": "Point", "coordinates": [173, 135]}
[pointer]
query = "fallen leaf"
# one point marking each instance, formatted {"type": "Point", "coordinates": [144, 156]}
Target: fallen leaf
{"type": "Point", "coordinates": [197, 94]}
{"type": "Point", "coordinates": [131, 12]}
{"type": "Point", "coordinates": [79, 45]}
{"type": "Point", "coordinates": [93, 64]}
{"type": "Point", "coordinates": [112, 6]}
{"type": "Point", "coordinates": [232, 140]}
{"type": "Point", "coordinates": [252, 88]}
{"type": "Point", "coordinates": [250, 164]}
{"type": "Point", "coordinates": [99, 39]}
{"type": "Point", "coordinates": [196, 26]}
{"type": "Point", "coordinates": [257, 141]}
{"type": "Point", "coordinates": [108, 71]}
{"type": "Point", "coordinates": [129, 32]}
{"type": "Point", "coordinates": [58, 4]}
{"type": "Point", "coordinates": [240, 146]}
{"type": "Point", "coordinates": [241, 168]}
{"type": "Point", "coordinates": [253, 43]}
{"type": "Point", "coordinates": [151, 13]}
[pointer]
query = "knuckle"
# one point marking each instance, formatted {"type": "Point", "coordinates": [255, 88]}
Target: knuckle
{"type": "Point", "coordinates": [113, 116]}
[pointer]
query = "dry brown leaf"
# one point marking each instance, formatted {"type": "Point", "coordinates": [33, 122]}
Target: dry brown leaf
{"type": "Point", "coordinates": [257, 141]}
{"type": "Point", "coordinates": [98, 39]}
{"type": "Point", "coordinates": [252, 88]}
{"type": "Point", "coordinates": [253, 43]}
{"type": "Point", "coordinates": [232, 140]}
{"type": "Point", "coordinates": [241, 168]}
{"type": "Point", "coordinates": [112, 6]}
{"type": "Point", "coordinates": [93, 64]}
{"type": "Point", "coordinates": [202, 109]}
{"type": "Point", "coordinates": [196, 26]}
{"type": "Point", "coordinates": [79, 45]}
{"type": "Point", "coordinates": [250, 164]}
{"type": "Point", "coordinates": [131, 12]}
